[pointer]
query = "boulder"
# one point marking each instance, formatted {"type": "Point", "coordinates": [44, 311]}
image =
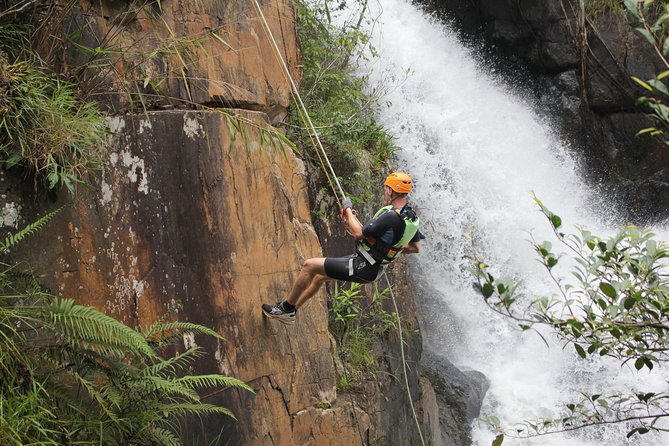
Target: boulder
{"type": "Point", "coordinates": [459, 396]}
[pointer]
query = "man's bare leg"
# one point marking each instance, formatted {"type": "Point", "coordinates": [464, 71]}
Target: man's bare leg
{"type": "Point", "coordinates": [316, 283]}
{"type": "Point", "coordinates": [306, 286]}
{"type": "Point", "coordinates": [311, 277]}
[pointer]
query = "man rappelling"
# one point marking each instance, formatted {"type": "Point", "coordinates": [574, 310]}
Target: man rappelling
{"type": "Point", "coordinates": [393, 230]}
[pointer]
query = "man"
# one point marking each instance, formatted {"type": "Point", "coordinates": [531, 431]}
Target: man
{"type": "Point", "coordinates": [394, 229]}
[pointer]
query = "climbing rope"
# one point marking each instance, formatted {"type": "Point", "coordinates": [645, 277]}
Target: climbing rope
{"type": "Point", "coordinates": [330, 175]}
{"type": "Point", "coordinates": [404, 362]}
{"type": "Point", "coordinates": [302, 110]}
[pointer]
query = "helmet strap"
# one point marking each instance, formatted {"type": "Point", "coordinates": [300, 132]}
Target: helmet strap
{"type": "Point", "coordinates": [395, 196]}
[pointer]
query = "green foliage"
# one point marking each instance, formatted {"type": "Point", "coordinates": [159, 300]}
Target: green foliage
{"type": "Point", "coordinates": [615, 303]}
{"type": "Point", "coordinates": [238, 126]}
{"type": "Point", "coordinates": [341, 111]}
{"type": "Point", "coordinates": [594, 8]}
{"type": "Point", "coordinates": [357, 321]}
{"type": "Point", "coordinates": [346, 306]}
{"type": "Point", "coordinates": [43, 126]}
{"type": "Point", "coordinates": [651, 19]}
{"type": "Point", "coordinates": [351, 309]}
{"type": "Point", "coordinates": [14, 239]}
{"type": "Point", "coordinates": [70, 374]}
{"type": "Point", "coordinates": [357, 352]}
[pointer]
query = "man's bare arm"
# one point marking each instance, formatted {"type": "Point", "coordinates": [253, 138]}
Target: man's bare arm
{"type": "Point", "coordinates": [353, 224]}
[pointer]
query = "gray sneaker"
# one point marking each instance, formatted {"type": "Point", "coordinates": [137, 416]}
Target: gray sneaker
{"type": "Point", "coordinates": [276, 311]}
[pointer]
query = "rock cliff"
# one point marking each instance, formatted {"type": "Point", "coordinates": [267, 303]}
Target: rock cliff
{"type": "Point", "coordinates": [201, 214]}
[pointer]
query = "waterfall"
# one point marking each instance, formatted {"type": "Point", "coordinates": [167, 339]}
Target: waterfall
{"type": "Point", "coordinates": [475, 150]}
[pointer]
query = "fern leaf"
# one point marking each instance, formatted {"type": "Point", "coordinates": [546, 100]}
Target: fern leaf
{"type": "Point", "coordinates": [81, 325]}
{"type": "Point", "coordinates": [13, 239]}
{"type": "Point", "coordinates": [207, 381]}
{"type": "Point", "coordinates": [163, 437]}
{"type": "Point", "coordinates": [177, 362]}
{"type": "Point", "coordinates": [196, 409]}
{"type": "Point", "coordinates": [93, 392]}
{"type": "Point", "coordinates": [157, 331]}
{"type": "Point", "coordinates": [169, 387]}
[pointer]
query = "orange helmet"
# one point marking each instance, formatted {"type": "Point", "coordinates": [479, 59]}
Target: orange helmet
{"type": "Point", "coordinates": [400, 182]}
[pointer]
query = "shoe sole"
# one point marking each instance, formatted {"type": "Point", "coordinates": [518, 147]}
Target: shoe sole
{"type": "Point", "coordinates": [281, 319]}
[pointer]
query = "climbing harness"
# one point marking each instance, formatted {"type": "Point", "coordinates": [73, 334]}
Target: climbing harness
{"type": "Point", "coordinates": [332, 176]}
{"type": "Point", "coordinates": [376, 250]}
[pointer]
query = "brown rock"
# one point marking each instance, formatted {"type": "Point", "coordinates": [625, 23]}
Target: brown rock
{"type": "Point", "coordinates": [184, 223]}
{"type": "Point", "coordinates": [181, 53]}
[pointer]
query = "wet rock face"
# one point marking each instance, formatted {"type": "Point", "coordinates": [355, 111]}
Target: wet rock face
{"type": "Point", "coordinates": [459, 396]}
{"type": "Point", "coordinates": [600, 117]}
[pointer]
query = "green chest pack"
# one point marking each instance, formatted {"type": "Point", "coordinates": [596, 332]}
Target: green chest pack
{"type": "Point", "coordinates": [387, 252]}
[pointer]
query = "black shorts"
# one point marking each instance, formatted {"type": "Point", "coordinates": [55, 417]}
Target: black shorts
{"type": "Point", "coordinates": [353, 268]}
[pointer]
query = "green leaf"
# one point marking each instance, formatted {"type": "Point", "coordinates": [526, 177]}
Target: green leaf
{"type": "Point", "coordinates": [646, 130]}
{"type": "Point", "coordinates": [659, 86]}
{"type": "Point", "coordinates": [53, 178]}
{"type": "Point", "coordinates": [647, 34]}
{"type": "Point", "coordinates": [498, 440]}
{"type": "Point", "coordinates": [556, 221]}
{"type": "Point", "coordinates": [631, 6]}
{"type": "Point", "coordinates": [642, 83]}
{"type": "Point", "coordinates": [664, 73]}
{"type": "Point", "coordinates": [648, 363]}
{"type": "Point", "coordinates": [651, 247]}
{"type": "Point", "coordinates": [580, 351]}
{"type": "Point", "coordinates": [638, 364]}
{"type": "Point", "coordinates": [629, 303]}
{"type": "Point", "coordinates": [487, 289]}
{"type": "Point", "coordinates": [13, 160]}
{"type": "Point", "coordinates": [613, 310]}
{"type": "Point", "coordinates": [608, 289]}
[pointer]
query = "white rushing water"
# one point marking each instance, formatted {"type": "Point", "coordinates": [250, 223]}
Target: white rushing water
{"type": "Point", "coordinates": [475, 151]}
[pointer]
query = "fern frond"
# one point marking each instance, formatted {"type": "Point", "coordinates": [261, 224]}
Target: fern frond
{"type": "Point", "coordinates": [177, 362]}
{"type": "Point", "coordinates": [168, 387]}
{"type": "Point", "coordinates": [163, 436]}
{"type": "Point", "coordinates": [208, 381]}
{"type": "Point", "coordinates": [92, 390]}
{"type": "Point", "coordinates": [14, 239]}
{"type": "Point", "coordinates": [195, 409]}
{"type": "Point", "coordinates": [80, 325]}
{"type": "Point", "coordinates": [162, 330]}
